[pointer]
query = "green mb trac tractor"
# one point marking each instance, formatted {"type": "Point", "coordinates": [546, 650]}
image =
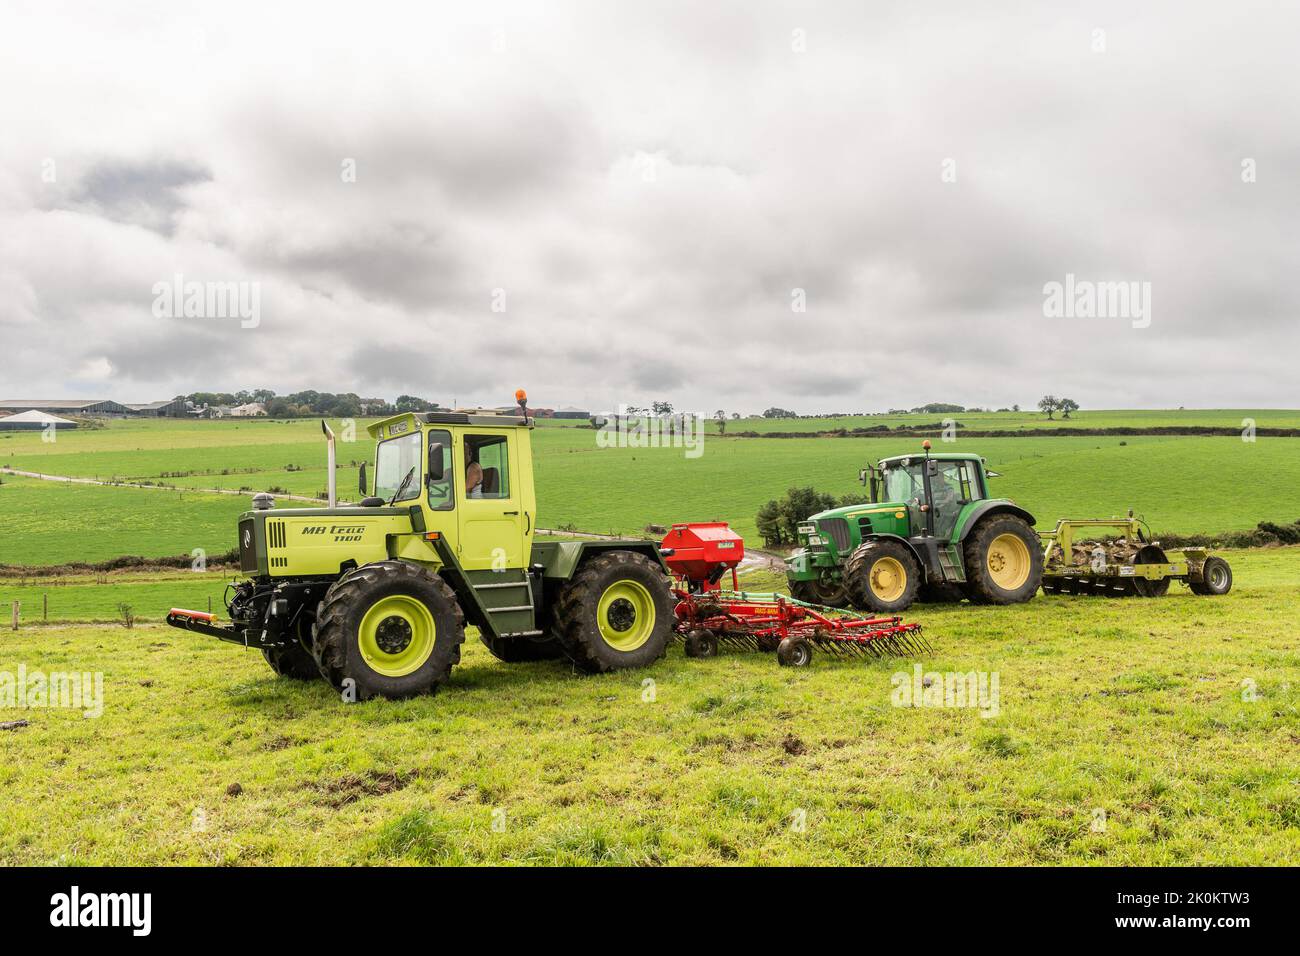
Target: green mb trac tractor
{"type": "Point", "coordinates": [929, 530]}
{"type": "Point", "coordinates": [375, 597]}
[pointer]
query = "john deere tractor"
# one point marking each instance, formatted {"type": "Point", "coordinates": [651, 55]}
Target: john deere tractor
{"type": "Point", "coordinates": [929, 530]}
{"type": "Point", "coordinates": [375, 597]}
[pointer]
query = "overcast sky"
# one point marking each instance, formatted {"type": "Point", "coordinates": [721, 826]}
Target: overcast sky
{"type": "Point", "coordinates": [641, 188]}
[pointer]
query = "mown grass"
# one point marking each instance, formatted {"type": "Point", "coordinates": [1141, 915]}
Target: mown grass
{"type": "Point", "coordinates": [1181, 484]}
{"type": "Point", "coordinates": [1129, 712]}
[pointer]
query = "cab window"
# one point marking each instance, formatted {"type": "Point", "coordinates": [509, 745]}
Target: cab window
{"type": "Point", "coordinates": [439, 493]}
{"type": "Point", "coordinates": [491, 477]}
{"type": "Point", "coordinates": [393, 462]}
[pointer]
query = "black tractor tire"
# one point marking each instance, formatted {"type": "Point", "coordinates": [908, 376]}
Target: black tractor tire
{"type": "Point", "coordinates": [982, 585]}
{"type": "Point", "coordinates": [576, 613]}
{"type": "Point", "coordinates": [523, 650]}
{"type": "Point", "coordinates": [336, 637]}
{"type": "Point", "coordinates": [863, 576]}
{"type": "Point", "coordinates": [794, 652]}
{"type": "Point", "coordinates": [1150, 587]}
{"type": "Point", "coordinates": [943, 592]}
{"type": "Point", "coordinates": [292, 661]}
{"type": "Point", "coordinates": [815, 592]}
{"type": "Point", "coordinates": [1216, 575]}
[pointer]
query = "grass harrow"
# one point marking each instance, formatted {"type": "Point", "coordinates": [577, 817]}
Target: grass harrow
{"type": "Point", "coordinates": [700, 554]}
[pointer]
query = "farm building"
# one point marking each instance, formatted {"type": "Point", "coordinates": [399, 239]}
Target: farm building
{"type": "Point", "coordinates": [34, 421]}
{"type": "Point", "coordinates": [98, 408]}
{"type": "Point", "coordinates": [174, 408]}
{"type": "Point", "coordinates": [569, 411]}
{"type": "Point", "coordinates": [251, 410]}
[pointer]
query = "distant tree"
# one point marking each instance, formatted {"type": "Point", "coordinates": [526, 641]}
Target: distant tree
{"type": "Point", "coordinates": [938, 408]}
{"type": "Point", "coordinates": [721, 416]}
{"type": "Point", "coordinates": [412, 403]}
{"type": "Point", "coordinates": [1015, 408]}
{"type": "Point", "coordinates": [1049, 404]}
{"type": "Point", "coordinates": [735, 416]}
{"type": "Point", "coordinates": [661, 408]}
{"type": "Point", "coordinates": [775, 412]}
{"type": "Point", "coordinates": [1067, 405]}
{"type": "Point", "coordinates": [768, 520]}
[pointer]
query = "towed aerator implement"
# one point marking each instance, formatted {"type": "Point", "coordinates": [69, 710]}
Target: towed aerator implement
{"type": "Point", "coordinates": [1127, 566]}
{"type": "Point", "coordinates": [700, 554]}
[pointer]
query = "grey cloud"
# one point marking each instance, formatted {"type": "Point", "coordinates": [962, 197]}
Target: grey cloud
{"type": "Point", "coordinates": [144, 192]}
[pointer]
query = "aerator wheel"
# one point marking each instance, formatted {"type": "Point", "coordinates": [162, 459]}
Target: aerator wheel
{"type": "Point", "coordinates": [701, 644]}
{"type": "Point", "coordinates": [388, 629]}
{"type": "Point", "coordinates": [1150, 587]}
{"type": "Point", "coordinates": [1216, 577]}
{"type": "Point", "coordinates": [616, 612]}
{"type": "Point", "coordinates": [794, 652]}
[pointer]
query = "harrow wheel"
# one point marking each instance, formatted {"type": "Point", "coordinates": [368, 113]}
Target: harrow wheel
{"type": "Point", "coordinates": [388, 629]}
{"type": "Point", "coordinates": [794, 652]}
{"type": "Point", "coordinates": [702, 644]}
{"type": "Point", "coordinates": [882, 576]}
{"type": "Point", "coordinates": [616, 612]}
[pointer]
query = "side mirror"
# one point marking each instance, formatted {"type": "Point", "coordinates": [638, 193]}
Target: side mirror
{"type": "Point", "coordinates": [435, 471]}
{"type": "Point", "coordinates": [862, 476]}
{"type": "Point", "coordinates": [361, 481]}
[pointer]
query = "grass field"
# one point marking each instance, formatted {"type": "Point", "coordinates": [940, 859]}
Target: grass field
{"type": "Point", "coordinates": [1124, 735]}
{"type": "Point", "coordinates": [1181, 484]}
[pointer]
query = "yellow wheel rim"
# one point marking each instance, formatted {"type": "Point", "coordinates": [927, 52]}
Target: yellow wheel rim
{"type": "Point", "coordinates": [625, 615]}
{"type": "Point", "coordinates": [888, 579]}
{"type": "Point", "coordinates": [396, 635]}
{"type": "Point", "coordinates": [1008, 562]}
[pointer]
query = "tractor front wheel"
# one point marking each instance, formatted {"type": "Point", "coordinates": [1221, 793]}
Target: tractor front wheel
{"type": "Point", "coordinates": [616, 612]}
{"type": "Point", "coordinates": [292, 661]}
{"type": "Point", "coordinates": [1004, 561]}
{"type": "Point", "coordinates": [882, 576]}
{"type": "Point", "coordinates": [388, 629]}
{"type": "Point", "coordinates": [821, 593]}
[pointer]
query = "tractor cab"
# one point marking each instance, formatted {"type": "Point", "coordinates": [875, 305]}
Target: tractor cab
{"type": "Point", "coordinates": [470, 477]}
{"type": "Point", "coordinates": [933, 489]}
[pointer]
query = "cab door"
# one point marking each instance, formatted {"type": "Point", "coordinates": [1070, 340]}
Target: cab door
{"type": "Point", "coordinates": [951, 489]}
{"type": "Point", "coordinates": [491, 515]}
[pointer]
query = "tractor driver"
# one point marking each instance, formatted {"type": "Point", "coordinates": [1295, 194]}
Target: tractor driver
{"type": "Point", "coordinates": [473, 479]}
{"type": "Point", "coordinates": [944, 492]}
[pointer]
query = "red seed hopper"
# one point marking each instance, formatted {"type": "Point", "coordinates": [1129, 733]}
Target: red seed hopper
{"type": "Point", "coordinates": [699, 553]}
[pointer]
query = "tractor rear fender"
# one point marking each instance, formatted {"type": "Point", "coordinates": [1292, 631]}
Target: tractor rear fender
{"type": "Point", "coordinates": [985, 509]}
{"type": "Point", "coordinates": [560, 560]}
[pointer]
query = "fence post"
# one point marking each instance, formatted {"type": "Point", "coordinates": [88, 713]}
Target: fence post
{"type": "Point", "coordinates": [45, 606]}
{"type": "Point", "coordinates": [17, 605]}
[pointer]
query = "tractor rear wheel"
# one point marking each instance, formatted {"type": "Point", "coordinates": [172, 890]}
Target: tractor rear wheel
{"type": "Point", "coordinates": [616, 612]}
{"type": "Point", "coordinates": [392, 628]}
{"type": "Point", "coordinates": [882, 576]}
{"type": "Point", "coordinates": [1004, 561]}
{"type": "Point", "coordinates": [1216, 577]}
{"type": "Point", "coordinates": [818, 592]}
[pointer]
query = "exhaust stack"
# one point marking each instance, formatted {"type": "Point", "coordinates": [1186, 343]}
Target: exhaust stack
{"type": "Point", "coordinates": [329, 444]}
